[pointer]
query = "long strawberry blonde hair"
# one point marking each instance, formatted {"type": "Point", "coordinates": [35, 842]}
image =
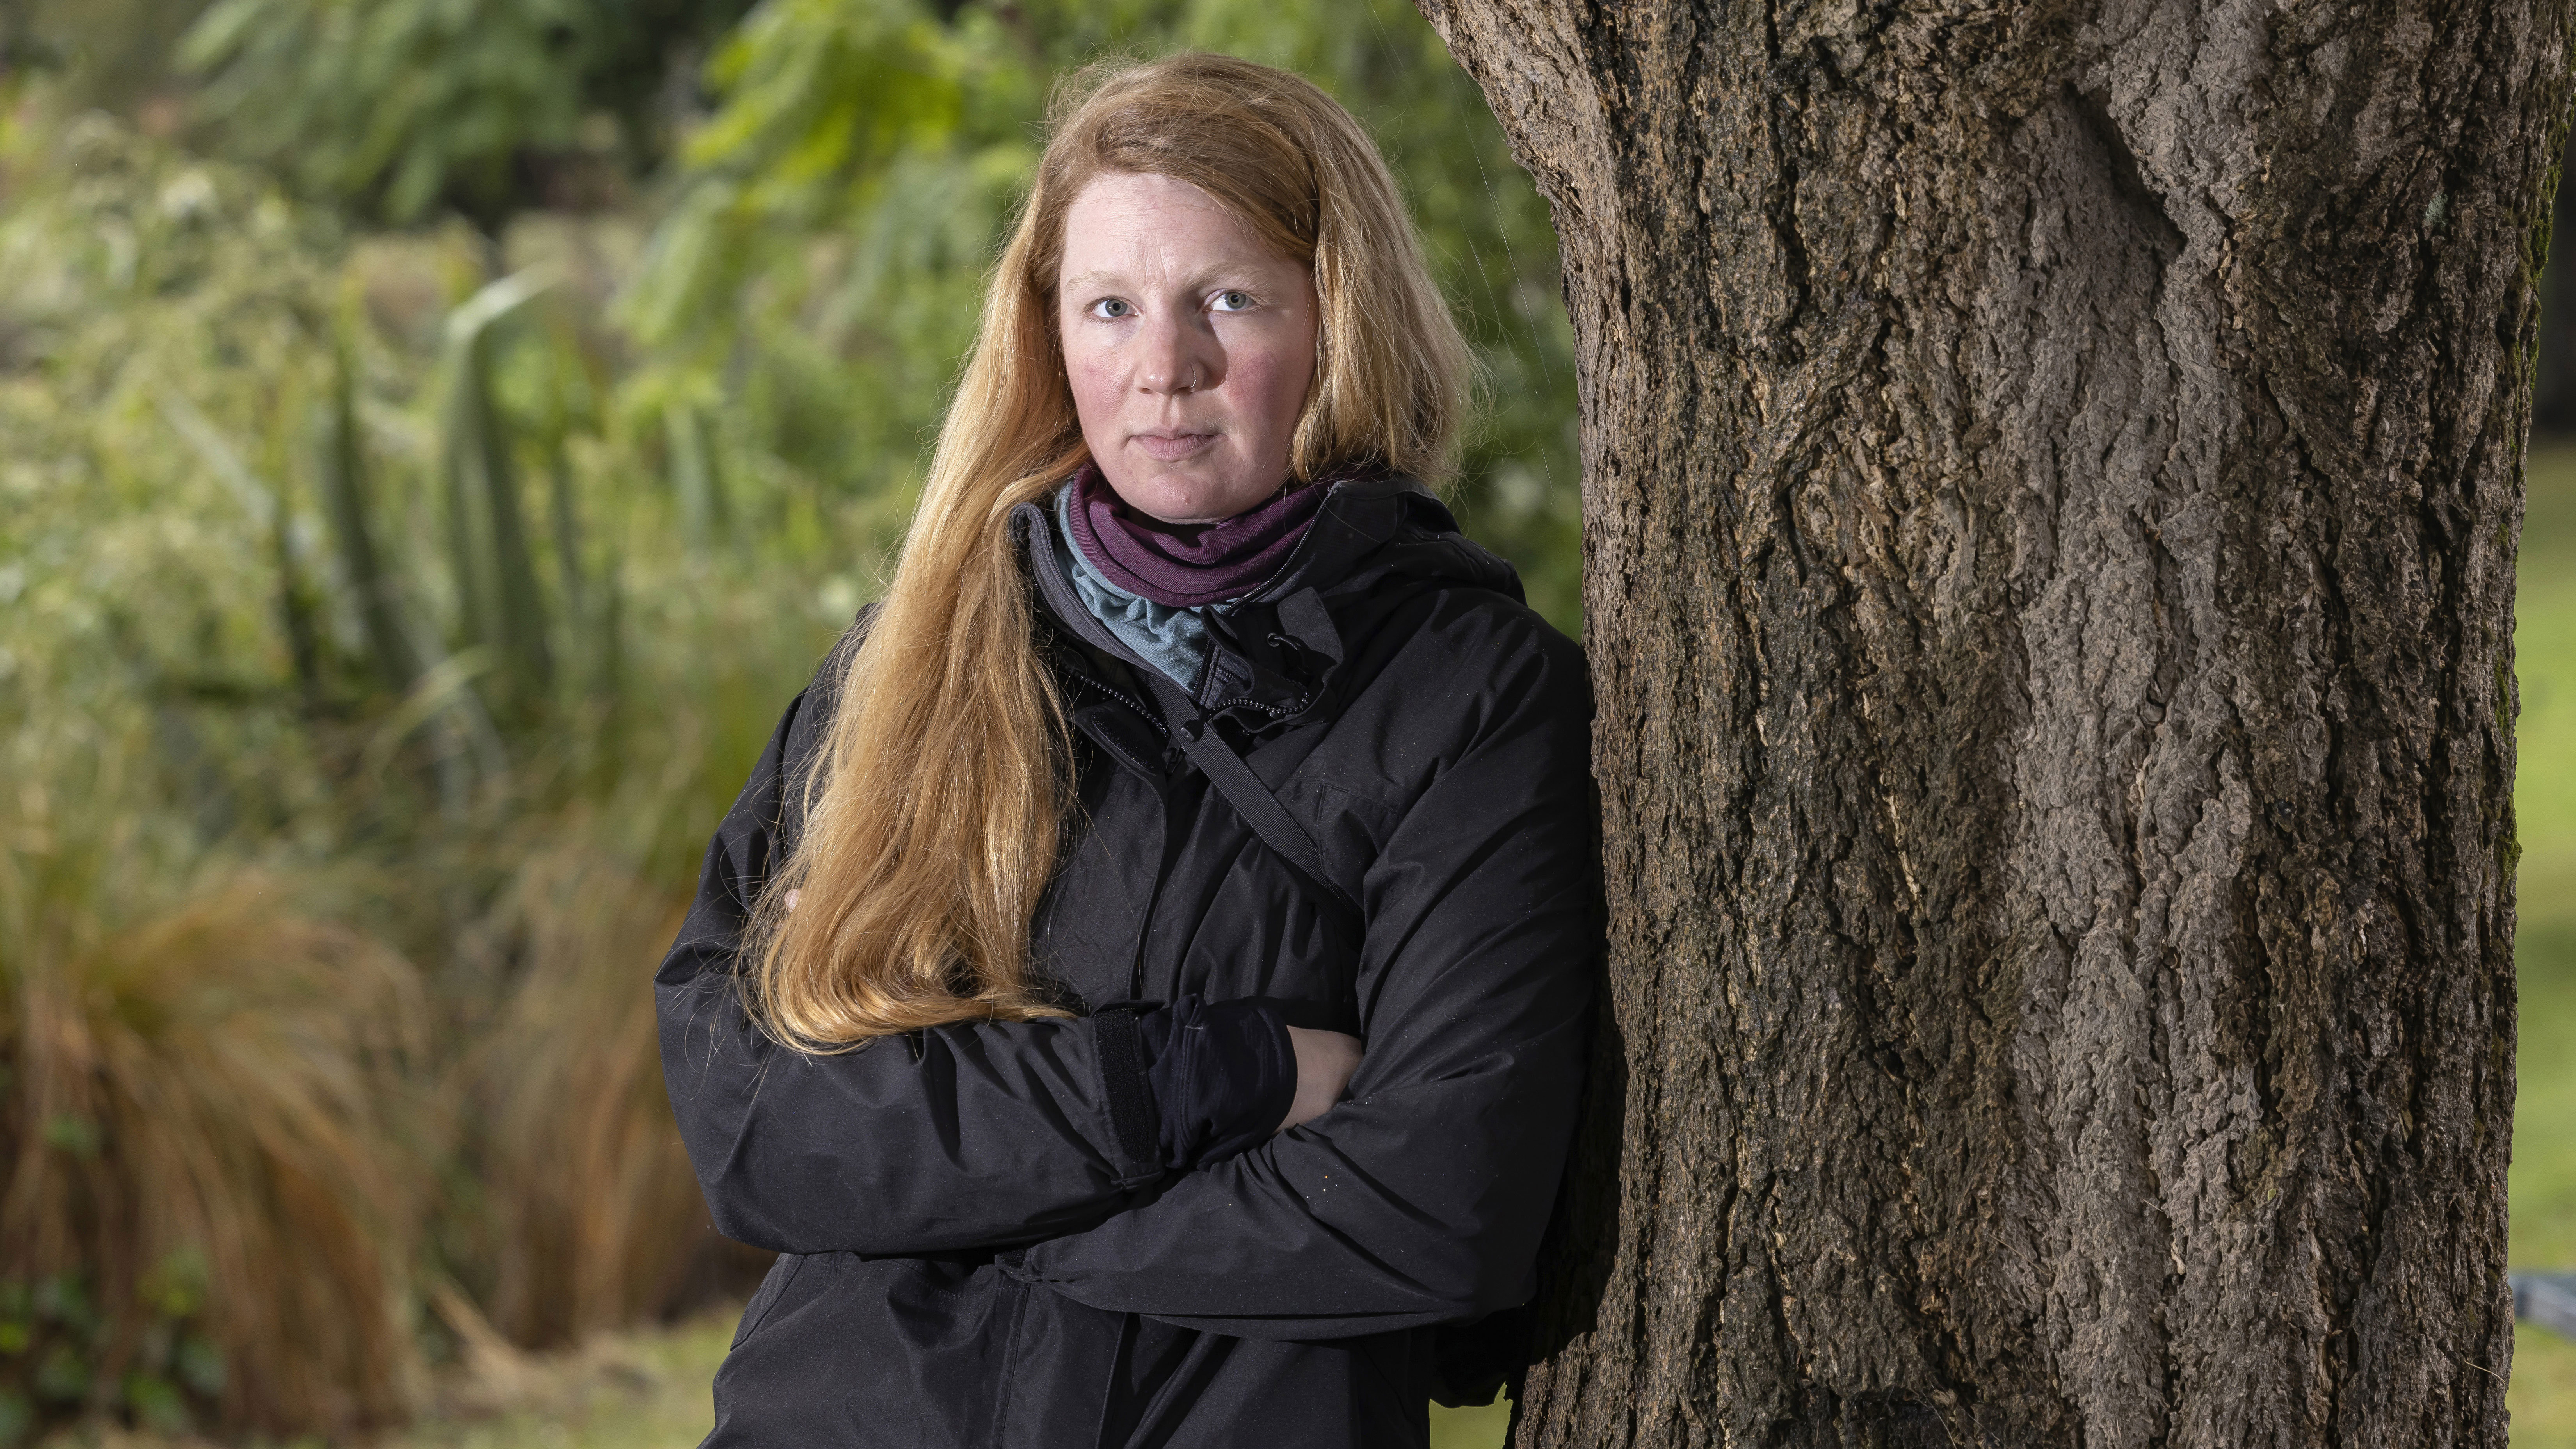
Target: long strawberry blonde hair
{"type": "Point", "coordinates": [935, 805]}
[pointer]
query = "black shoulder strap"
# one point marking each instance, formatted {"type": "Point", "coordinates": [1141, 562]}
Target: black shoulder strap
{"type": "Point", "coordinates": [1243, 789]}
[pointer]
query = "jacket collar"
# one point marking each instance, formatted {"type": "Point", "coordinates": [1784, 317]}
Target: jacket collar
{"type": "Point", "coordinates": [1274, 653]}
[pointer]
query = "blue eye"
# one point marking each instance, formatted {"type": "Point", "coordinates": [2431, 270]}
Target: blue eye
{"type": "Point", "coordinates": [1110, 308]}
{"type": "Point", "coordinates": [1233, 301]}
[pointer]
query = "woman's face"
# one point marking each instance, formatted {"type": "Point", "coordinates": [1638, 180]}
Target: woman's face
{"type": "Point", "coordinates": [1189, 345]}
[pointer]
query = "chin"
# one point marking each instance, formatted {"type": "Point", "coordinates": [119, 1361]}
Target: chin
{"type": "Point", "coordinates": [1184, 499]}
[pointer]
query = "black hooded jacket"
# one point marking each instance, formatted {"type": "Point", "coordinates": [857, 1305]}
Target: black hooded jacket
{"type": "Point", "coordinates": [980, 1244]}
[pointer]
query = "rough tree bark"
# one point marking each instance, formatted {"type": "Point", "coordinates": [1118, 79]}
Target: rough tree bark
{"type": "Point", "coordinates": [2052, 475]}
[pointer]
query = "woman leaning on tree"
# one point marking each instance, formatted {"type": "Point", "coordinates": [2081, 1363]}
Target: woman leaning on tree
{"type": "Point", "coordinates": [1140, 991]}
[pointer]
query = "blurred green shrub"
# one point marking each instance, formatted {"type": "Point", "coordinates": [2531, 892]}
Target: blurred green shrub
{"type": "Point", "coordinates": [394, 107]}
{"type": "Point", "coordinates": [391, 108]}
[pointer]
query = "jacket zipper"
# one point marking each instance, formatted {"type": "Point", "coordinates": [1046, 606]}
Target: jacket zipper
{"type": "Point", "coordinates": [1121, 696]}
{"type": "Point", "coordinates": [1153, 901]}
{"type": "Point", "coordinates": [1162, 798]}
{"type": "Point", "coordinates": [1275, 711]}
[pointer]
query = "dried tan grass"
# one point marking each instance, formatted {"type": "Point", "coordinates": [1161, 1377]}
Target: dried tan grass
{"type": "Point", "coordinates": [221, 1085]}
{"type": "Point", "coordinates": [593, 1216]}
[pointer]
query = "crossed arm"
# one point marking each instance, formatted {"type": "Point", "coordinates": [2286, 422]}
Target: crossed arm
{"type": "Point", "coordinates": [1419, 1199]}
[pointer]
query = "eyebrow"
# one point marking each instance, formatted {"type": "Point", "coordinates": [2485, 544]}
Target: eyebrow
{"type": "Point", "coordinates": [1083, 281]}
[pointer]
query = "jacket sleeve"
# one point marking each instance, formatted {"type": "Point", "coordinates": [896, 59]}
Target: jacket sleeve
{"type": "Point", "coordinates": [1421, 1198]}
{"type": "Point", "coordinates": [958, 1138]}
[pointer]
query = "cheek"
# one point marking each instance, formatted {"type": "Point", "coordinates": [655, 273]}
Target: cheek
{"type": "Point", "coordinates": [1093, 378]}
{"type": "Point", "coordinates": [1274, 384]}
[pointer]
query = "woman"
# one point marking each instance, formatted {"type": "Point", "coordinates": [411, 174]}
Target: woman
{"type": "Point", "coordinates": [1203, 819]}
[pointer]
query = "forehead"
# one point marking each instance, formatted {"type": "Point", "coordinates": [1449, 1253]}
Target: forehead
{"type": "Point", "coordinates": [1140, 225]}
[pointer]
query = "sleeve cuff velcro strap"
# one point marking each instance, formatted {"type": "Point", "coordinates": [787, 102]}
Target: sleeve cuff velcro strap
{"type": "Point", "coordinates": [1128, 1092]}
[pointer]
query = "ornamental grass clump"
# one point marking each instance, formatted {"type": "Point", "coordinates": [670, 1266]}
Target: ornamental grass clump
{"type": "Point", "coordinates": [216, 1153]}
{"type": "Point", "coordinates": [591, 1219]}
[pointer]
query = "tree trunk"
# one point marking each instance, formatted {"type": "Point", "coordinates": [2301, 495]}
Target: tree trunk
{"type": "Point", "coordinates": [2052, 475]}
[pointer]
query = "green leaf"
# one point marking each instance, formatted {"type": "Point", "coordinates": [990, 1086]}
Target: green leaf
{"type": "Point", "coordinates": [62, 1375]}
{"type": "Point", "coordinates": [200, 1365]}
{"type": "Point", "coordinates": [156, 1403]}
{"type": "Point", "coordinates": [75, 1135]}
{"type": "Point", "coordinates": [176, 1287]}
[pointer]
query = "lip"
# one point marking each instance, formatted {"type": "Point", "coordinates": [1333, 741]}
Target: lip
{"type": "Point", "coordinates": [1171, 446]}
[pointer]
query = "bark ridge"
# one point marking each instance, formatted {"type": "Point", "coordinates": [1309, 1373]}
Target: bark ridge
{"type": "Point", "coordinates": [2052, 476]}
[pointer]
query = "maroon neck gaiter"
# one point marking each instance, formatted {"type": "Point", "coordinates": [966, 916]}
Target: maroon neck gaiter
{"type": "Point", "coordinates": [1167, 564]}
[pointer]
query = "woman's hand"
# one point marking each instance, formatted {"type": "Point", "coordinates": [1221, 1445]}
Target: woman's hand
{"type": "Point", "coordinates": [1325, 1061]}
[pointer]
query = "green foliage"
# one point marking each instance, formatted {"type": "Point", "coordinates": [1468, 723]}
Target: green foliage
{"type": "Point", "coordinates": [392, 108]}
{"type": "Point", "coordinates": [395, 106]}
{"type": "Point", "coordinates": [501, 605]}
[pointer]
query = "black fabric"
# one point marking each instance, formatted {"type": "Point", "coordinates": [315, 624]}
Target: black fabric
{"type": "Point", "coordinates": [1243, 790]}
{"type": "Point", "coordinates": [1127, 1083]}
{"type": "Point", "coordinates": [983, 1249]}
{"type": "Point", "coordinates": [1472, 1361]}
{"type": "Point", "coordinates": [1224, 1076]}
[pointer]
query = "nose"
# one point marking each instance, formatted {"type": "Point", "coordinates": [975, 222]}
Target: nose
{"type": "Point", "coordinates": [1179, 354]}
